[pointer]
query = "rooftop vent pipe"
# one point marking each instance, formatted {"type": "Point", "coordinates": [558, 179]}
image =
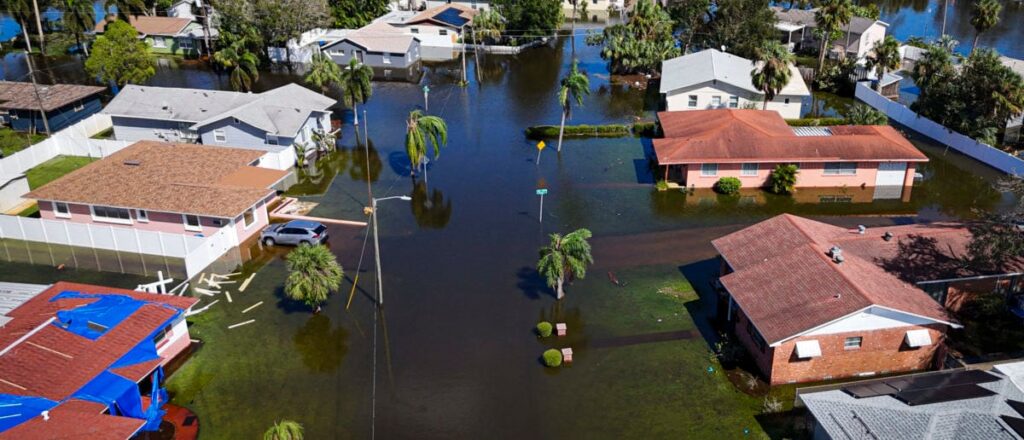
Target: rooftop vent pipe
{"type": "Point", "coordinates": [861, 229]}
{"type": "Point", "coordinates": [887, 236]}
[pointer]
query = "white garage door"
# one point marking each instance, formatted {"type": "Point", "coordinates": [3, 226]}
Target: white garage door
{"type": "Point", "coordinates": [891, 174]}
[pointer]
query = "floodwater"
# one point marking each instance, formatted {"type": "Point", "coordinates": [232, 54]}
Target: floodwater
{"type": "Point", "coordinates": [451, 353]}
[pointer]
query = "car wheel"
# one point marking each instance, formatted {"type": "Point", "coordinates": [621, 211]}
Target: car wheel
{"type": "Point", "coordinates": [268, 241]}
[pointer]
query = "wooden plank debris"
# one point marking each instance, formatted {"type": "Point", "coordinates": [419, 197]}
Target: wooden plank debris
{"type": "Point", "coordinates": [206, 292]}
{"type": "Point", "coordinates": [252, 307]}
{"type": "Point", "coordinates": [241, 324]}
{"type": "Point", "coordinates": [246, 282]}
{"type": "Point", "coordinates": [228, 294]}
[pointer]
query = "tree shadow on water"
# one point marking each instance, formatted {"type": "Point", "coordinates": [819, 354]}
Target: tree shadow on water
{"type": "Point", "coordinates": [531, 283]}
{"type": "Point", "coordinates": [321, 347]}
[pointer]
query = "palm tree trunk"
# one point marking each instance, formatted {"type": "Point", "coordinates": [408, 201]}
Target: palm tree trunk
{"type": "Point", "coordinates": [881, 75]}
{"type": "Point", "coordinates": [355, 113]}
{"type": "Point", "coordinates": [846, 49]}
{"type": "Point", "coordinates": [561, 131]}
{"type": "Point", "coordinates": [559, 290]}
{"type": "Point", "coordinates": [24, 33]}
{"type": "Point", "coordinates": [974, 46]}
{"type": "Point", "coordinates": [39, 26]}
{"type": "Point", "coordinates": [821, 54]}
{"type": "Point", "coordinates": [765, 107]}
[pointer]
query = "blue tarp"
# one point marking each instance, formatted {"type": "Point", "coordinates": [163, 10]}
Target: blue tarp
{"type": "Point", "coordinates": [94, 319]}
{"type": "Point", "coordinates": [17, 409]}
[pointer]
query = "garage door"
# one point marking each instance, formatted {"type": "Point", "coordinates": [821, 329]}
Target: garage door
{"type": "Point", "coordinates": [891, 174]}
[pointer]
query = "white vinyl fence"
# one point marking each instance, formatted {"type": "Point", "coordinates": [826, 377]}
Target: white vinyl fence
{"type": "Point", "coordinates": [71, 141]}
{"type": "Point", "coordinates": [984, 153]}
{"type": "Point", "coordinates": [197, 252]}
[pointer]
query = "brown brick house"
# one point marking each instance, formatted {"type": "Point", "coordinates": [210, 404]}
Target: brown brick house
{"type": "Point", "coordinates": [813, 302]}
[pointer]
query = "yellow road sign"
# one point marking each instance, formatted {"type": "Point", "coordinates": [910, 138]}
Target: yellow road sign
{"type": "Point", "coordinates": [540, 145]}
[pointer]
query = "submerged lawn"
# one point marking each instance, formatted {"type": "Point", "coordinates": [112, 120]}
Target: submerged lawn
{"type": "Point", "coordinates": [53, 169]}
{"type": "Point", "coordinates": [14, 141]}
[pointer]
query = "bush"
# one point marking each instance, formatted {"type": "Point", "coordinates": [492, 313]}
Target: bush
{"type": "Point", "coordinates": [815, 122]}
{"type": "Point", "coordinates": [544, 329]}
{"type": "Point", "coordinates": [661, 185]}
{"type": "Point", "coordinates": [551, 131]}
{"type": "Point", "coordinates": [783, 179]}
{"type": "Point", "coordinates": [645, 129]}
{"type": "Point", "coordinates": [728, 186]}
{"type": "Point", "coordinates": [553, 358]}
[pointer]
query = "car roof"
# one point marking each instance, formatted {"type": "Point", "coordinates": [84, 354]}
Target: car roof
{"type": "Point", "coordinates": [305, 224]}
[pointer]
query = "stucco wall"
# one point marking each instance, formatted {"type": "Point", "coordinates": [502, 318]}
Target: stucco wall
{"type": "Point", "coordinates": [261, 221]}
{"type": "Point", "coordinates": [810, 175]}
{"type": "Point", "coordinates": [158, 221]}
{"type": "Point", "coordinates": [867, 40]}
{"type": "Point", "coordinates": [138, 129]}
{"type": "Point", "coordinates": [679, 99]}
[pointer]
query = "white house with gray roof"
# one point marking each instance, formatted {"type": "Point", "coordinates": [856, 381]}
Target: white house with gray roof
{"type": "Point", "coordinates": [391, 52]}
{"type": "Point", "coordinates": [272, 121]}
{"type": "Point", "coordinates": [796, 28]}
{"type": "Point", "coordinates": [712, 79]}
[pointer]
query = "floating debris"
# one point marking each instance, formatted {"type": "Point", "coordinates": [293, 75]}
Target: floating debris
{"type": "Point", "coordinates": [206, 292]}
{"type": "Point", "coordinates": [252, 307]}
{"type": "Point", "coordinates": [228, 294]}
{"type": "Point", "coordinates": [241, 324]}
{"type": "Point", "coordinates": [246, 282]}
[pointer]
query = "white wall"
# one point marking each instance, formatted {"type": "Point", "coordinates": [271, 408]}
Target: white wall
{"type": "Point", "coordinates": [874, 34]}
{"type": "Point", "coordinates": [679, 100]}
{"type": "Point", "coordinates": [72, 141]}
{"type": "Point", "coordinates": [875, 318]}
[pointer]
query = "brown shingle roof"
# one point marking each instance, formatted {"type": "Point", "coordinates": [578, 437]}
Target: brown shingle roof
{"type": "Point", "coordinates": [21, 95]}
{"type": "Point", "coordinates": [151, 25]}
{"type": "Point", "coordinates": [726, 135]}
{"type": "Point", "coordinates": [429, 15]}
{"type": "Point", "coordinates": [166, 177]}
{"type": "Point", "coordinates": [67, 421]}
{"type": "Point", "coordinates": [786, 283]}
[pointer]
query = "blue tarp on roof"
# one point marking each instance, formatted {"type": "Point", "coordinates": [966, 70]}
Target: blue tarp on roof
{"type": "Point", "coordinates": [451, 16]}
{"type": "Point", "coordinates": [15, 410]}
{"type": "Point", "coordinates": [94, 319]}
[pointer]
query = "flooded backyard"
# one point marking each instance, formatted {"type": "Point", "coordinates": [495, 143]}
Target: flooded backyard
{"type": "Point", "coordinates": [452, 353]}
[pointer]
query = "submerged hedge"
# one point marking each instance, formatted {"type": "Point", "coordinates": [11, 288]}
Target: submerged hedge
{"type": "Point", "coordinates": [816, 122]}
{"type": "Point", "coordinates": [644, 129]}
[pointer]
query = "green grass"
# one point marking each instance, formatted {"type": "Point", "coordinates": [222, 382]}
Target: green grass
{"type": "Point", "coordinates": [14, 141]}
{"type": "Point", "coordinates": [52, 169]}
{"type": "Point", "coordinates": [105, 134]}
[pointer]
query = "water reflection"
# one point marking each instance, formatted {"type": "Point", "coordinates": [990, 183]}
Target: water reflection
{"type": "Point", "coordinates": [317, 176]}
{"type": "Point", "coordinates": [430, 208]}
{"type": "Point", "coordinates": [321, 347]}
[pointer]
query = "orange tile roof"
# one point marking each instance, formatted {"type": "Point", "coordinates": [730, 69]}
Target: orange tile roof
{"type": "Point", "coordinates": [151, 25]}
{"type": "Point", "coordinates": [727, 135]}
{"type": "Point", "coordinates": [68, 421]}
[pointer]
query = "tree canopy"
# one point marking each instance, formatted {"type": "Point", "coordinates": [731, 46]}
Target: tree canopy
{"type": "Point", "coordinates": [530, 18]}
{"type": "Point", "coordinates": [641, 44]}
{"type": "Point", "coordinates": [120, 57]}
{"type": "Point", "coordinates": [772, 73]}
{"type": "Point", "coordinates": [314, 273]}
{"type": "Point", "coordinates": [564, 257]}
{"type": "Point", "coordinates": [353, 14]}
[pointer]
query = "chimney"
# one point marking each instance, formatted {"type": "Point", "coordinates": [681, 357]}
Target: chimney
{"type": "Point", "coordinates": [887, 236]}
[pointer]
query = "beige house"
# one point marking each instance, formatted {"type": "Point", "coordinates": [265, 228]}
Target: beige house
{"type": "Point", "coordinates": [796, 27]}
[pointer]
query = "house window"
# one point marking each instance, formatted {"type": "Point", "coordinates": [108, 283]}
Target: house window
{"type": "Point", "coordinates": [159, 42]}
{"type": "Point", "coordinates": [748, 169]}
{"type": "Point", "coordinates": [840, 168]}
{"type": "Point", "coordinates": [339, 53]}
{"type": "Point", "coordinates": [709, 169]}
{"type": "Point", "coordinates": [220, 136]}
{"type": "Point", "coordinates": [60, 209]}
{"type": "Point", "coordinates": [159, 336]}
{"type": "Point", "coordinates": [386, 58]}
{"type": "Point", "coordinates": [853, 343]}
{"type": "Point", "coordinates": [787, 100]}
{"type": "Point", "coordinates": [272, 139]}
{"type": "Point", "coordinates": [192, 223]}
{"type": "Point", "coordinates": [716, 101]}
{"type": "Point", "coordinates": [111, 215]}
{"type": "Point", "coordinates": [734, 102]}
{"type": "Point", "coordinates": [442, 32]}
{"type": "Point", "coordinates": [248, 218]}
{"type": "Point", "coordinates": [142, 216]}
{"type": "Point", "coordinates": [185, 43]}
{"type": "Point", "coordinates": [692, 101]}
{"type": "Point", "coordinates": [414, 30]}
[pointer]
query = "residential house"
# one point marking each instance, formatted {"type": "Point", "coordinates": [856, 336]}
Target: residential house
{"type": "Point", "coordinates": [701, 146]}
{"type": "Point", "coordinates": [810, 302]}
{"type": "Point", "coordinates": [168, 35]}
{"type": "Point", "coordinates": [272, 121]}
{"type": "Point", "coordinates": [1014, 124]}
{"type": "Point", "coordinates": [954, 404]}
{"type": "Point", "coordinates": [480, 5]}
{"type": "Point", "coordinates": [84, 361]}
{"type": "Point", "coordinates": [713, 79]}
{"type": "Point", "coordinates": [63, 104]}
{"type": "Point", "coordinates": [797, 32]}
{"type": "Point", "coordinates": [594, 7]}
{"type": "Point", "coordinates": [174, 188]}
{"type": "Point", "coordinates": [301, 50]}
{"type": "Point", "coordinates": [438, 29]}
{"type": "Point", "coordinates": [392, 53]}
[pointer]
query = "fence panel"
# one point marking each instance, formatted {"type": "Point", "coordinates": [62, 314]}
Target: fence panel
{"type": "Point", "coordinates": [55, 232]}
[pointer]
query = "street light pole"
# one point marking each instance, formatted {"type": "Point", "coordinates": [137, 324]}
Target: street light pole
{"type": "Point", "coordinates": [376, 244]}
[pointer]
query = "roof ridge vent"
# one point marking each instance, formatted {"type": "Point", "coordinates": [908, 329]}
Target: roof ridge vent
{"type": "Point", "coordinates": [837, 254]}
{"type": "Point", "coordinates": [133, 162]}
{"type": "Point", "coordinates": [887, 236]}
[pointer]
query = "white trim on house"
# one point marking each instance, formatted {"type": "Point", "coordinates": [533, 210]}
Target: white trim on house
{"type": "Point", "coordinates": [188, 227]}
{"type": "Point", "coordinates": [57, 212]}
{"type": "Point", "coordinates": [918, 338]}
{"type": "Point", "coordinates": [808, 349]}
{"type": "Point", "coordinates": [817, 330]}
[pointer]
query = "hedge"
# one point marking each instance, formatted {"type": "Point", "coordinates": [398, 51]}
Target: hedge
{"type": "Point", "coordinates": [552, 358]}
{"type": "Point", "coordinates": [815, 122]}
{"type": "Point", "coordinates": [544, 329]}
{"type": "Point", "coordinates": [644, 129]}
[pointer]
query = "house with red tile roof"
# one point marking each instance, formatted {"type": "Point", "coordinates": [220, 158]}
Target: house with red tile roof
{"type": "Point", "coordinates": [812, 301]}
{"type": "Point", "coordinates": [700, 147]}
{"type": "Point", "coordinates": [72, 357]}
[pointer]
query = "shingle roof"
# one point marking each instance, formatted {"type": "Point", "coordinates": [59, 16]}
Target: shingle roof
{"type": "Point", "coordinates": [845, 417]}
{"type": "Point", "coordinates": [70, 420]}
{"type": "Point", "coordinates": [22, 96]}
{"type": "Point", "coordinates": [451, 15]}
{"type": "Point", "coordinates": [786, 283]}
{"type": "Point", "coordinates": [805, 17]}
{"type": "Point", "coordinates": [713, 65]}
{"type": "Point", "coordinates": [165, 177]}
{"type": "Point", "coordinates": [151, 25]}
{"type": "Point", "coordinates": [379, 37]}
{"type": "Point", "coordinates": [728, 135]}
{"type": "Point", "coordinates": [281, 111]}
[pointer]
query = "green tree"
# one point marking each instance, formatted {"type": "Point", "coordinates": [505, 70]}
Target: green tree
{"type": "Point", "coordinates": [119, 56]}
{"type": "Point", "coordinates": [282, 20]}
{"type": "Point", "coordinates": [640, 45]}
{"type": "Point", "coordinates": [531, 19]}
{"type": "Point", "coordinates": [284, 430]}
{"type": "Point", "coordinates": [421, 130]}
{"type": "Point", "coordinates": [741, 26]}
{"type": "Point", "coordinates": [127, 8]}
{"type": "Point", "coordinates": [575, 86]}
{"type": "Point", "coordinates": [324, 73]}
{"type": "Point", "coordinates": [884, 57]}
{"type": "Point", "coordinates": [984, 16]}
{"type": "Point", "coordinates": [782, 180]}
{"type": "Point", "coordinates": [354, 14]}
{"type": "Point", "coordinates": [242, 65]}
{"type": "Point", "coordinates": [996, 237]}
{"type": "Point", "coordinates": [691, 18]}
{"type": "Point", "coordinates": [488, 26]}
{"type": "Point", "coordinates": [314, 273]}
{"type": "Point", "coordinates": [566, 256]}
{"type": "Point", "coordinates": [772, 73]}
{"type": "Point", "coordinates": [831, 17]}
{"type": "Point", "coordinates": [356, 85]}
{"type": "Point", "coordinates": [79, 18]}
{"type": "Point", "coordinates": [861, 114]}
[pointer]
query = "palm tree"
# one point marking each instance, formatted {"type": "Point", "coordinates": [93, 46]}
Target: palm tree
{"type": "Point", "coordinates": [284, 430]}
{"type": "Point", "coordinates": [324, 73]}
{"type": "Point", "coordinates": [126, 8]}
{"type": "Point", "coordinates": [885, 56]}
{"type": "Point", "coordinates": [356, 85]}
{"type": "Point", "coordinates": [861, 114]}
{"type": "Point", "coordinates": [20, 10]}
{"type": "Point", "coordinates": [419, 129]}
{"type": "Point", "coordinates": [314, 273]}
{"type": "Point", "coordinates": [773, 73]}
{"type": "Point", "coordinates": [565, 256]}
{"type": "Point", "coordinates": [489, 25]}
{"type": "Point", "coordinates": [830, 17]}
{"type": "Point", "coordinates": [574, 87]}
{"type": "Point", "coordinates": [242, 65]}
{"type": "Point", "coordinates": [984, 16]}
{"type": "Point", "coordinates": [79, 18]}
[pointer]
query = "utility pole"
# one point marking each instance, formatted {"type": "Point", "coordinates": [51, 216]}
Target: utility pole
{"type": "Point", "coordinates": [39, 99]}
{"type": "Point", "coordinates": [366, 146]}
{"type": "Point", "coordinates": [39, 26]}
{"type": "Point", "coordinates": [945, 7]}
{"type": "Point", "coordinates": [206, 8]}
{"type": "Point", "coordinates": [463, 36]}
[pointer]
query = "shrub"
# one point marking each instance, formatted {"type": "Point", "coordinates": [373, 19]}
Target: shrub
{"type": "Point", "coordinates": [661, 185]}
{"type": "Point", "coordinates": [783, 179]}
{"type": "Point", "coordinates": [544, 329]}
{"type": "Point", "coordinates": [551, 131]}
{"type": "Point", "coordinates": [728, 186]}
{"type": "Point", "coordinates": [815, 122]}
{"type": "Point", "coordinates": [645, 129]}
{"type": "Point", "coordinates": [552, 358]}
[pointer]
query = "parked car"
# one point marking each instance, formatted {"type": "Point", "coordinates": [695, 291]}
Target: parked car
{"type": "Point", "coordinates": [295, 232]}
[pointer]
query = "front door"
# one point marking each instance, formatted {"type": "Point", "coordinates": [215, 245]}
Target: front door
{"type": "Point", "coordinates": [891, 174]}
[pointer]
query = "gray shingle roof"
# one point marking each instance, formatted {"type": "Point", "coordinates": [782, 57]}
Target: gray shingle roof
{"type": "Point", "coordinates": [280, 111]}
{"type": "Point", "coordinates": [707, 65]}
{"type": "Point", "coordinates": [883, 417]}
{"type": "Point", "coordinates": [805, 17]}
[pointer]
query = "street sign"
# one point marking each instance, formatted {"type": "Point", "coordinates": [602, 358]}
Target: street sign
{"type": "Point", "coordinates": [541, 145]}
{"type": "Point", "coordinates": [542, 191]}
{"type": "Point", "coordinates": [426, 89]}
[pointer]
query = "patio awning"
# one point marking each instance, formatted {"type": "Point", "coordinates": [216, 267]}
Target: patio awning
{"type": "Point", "coordinates": [788, 27]}
{"type": "Point", "coordinates": [918, 338]}
{"type": "Point", "coordinates": [808, 349]}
